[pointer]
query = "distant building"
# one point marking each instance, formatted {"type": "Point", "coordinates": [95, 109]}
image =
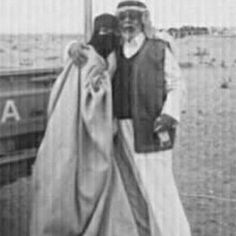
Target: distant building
{"type": "Point", "coordinates": [174, 32]}
{"type": "Point", "coordinates": [188, 31]}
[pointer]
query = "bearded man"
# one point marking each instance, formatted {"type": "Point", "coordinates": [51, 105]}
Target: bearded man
{"type": "Point", "coordinates": [77, 186]}
{"type": "Point", "coordinates": [147, 92]}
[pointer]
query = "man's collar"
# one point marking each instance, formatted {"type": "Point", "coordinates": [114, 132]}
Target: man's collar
{"type": "Point", "coordinates": [132, 47]}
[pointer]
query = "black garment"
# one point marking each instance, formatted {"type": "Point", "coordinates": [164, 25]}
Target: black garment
{"type": "Point", "coordinates": [106, 21]}
{"type": "Point", "coordinates": [122, 86]}
{"type": "Point", "coordinates": [139, 92]}
{"type": "Point", "coordinates": [105, 38]}
{"type": "Point", "coordinates": [105, 44]}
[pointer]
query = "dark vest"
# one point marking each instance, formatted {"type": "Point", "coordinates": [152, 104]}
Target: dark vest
{"type": "Point", "coordinates": [139, 92]}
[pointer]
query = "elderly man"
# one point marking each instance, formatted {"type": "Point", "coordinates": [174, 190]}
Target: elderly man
{"type": "Point", "coordinates": [147, 94]}
{"type": "Point", "coordinates": [147, 91]}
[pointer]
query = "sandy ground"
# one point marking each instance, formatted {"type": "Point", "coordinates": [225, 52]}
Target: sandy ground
{"type": "Point", "coordinates": [205, 152]}
{"type": "Point", "coordinates": [205, 162]}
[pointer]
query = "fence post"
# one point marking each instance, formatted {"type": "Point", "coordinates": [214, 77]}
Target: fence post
{"type": "Point", "coordinates": [88, 12]}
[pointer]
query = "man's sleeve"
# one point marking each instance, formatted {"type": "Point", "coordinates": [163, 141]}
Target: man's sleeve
{"type": "Point", "coordinates": [175, 87]}
{"type": "Point", "coordinates": [166, 37]}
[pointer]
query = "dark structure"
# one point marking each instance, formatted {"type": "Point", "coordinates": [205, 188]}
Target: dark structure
{"type": "Point", "coordinates": [23, 108]}
{"type": "Point", "coordinates": [188, 31]}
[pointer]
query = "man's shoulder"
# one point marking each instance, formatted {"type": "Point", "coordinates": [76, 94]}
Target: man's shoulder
{"type": "Point", "coordinates": [165, 39]}
{"type": "Point", "coordinates": [156, 46]}
{"type": "Point", "coordinates": [157, 42]}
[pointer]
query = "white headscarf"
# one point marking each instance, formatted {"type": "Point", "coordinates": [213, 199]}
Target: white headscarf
{"type": "Point", "coordinates": [149, 30]}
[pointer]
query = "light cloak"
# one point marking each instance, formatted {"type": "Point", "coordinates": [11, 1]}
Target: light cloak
{"type": "Point", "coordinates": [83, 184]}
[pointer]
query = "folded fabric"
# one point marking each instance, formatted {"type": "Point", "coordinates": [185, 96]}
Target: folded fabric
{"type": "Point", "coordinates": [82, 185]}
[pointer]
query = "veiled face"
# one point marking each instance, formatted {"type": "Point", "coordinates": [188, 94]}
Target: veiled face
{"type": "Point", "coordinates": [108, 31]}
{"type": "Point", "coordinates": [105, 40]}
{"type": "Point", "coordinates": [130, 23]}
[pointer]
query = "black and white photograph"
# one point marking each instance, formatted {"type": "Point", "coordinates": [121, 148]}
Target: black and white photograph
{"type": "Point", "coordinates": [117, 118]}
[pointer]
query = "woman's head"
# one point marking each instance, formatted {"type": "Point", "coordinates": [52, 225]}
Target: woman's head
{"type": "Point", "coordinates": [105, 38]}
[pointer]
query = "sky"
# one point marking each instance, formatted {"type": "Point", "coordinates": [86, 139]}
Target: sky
{"type": "Point", "coordinates": [67, 16]}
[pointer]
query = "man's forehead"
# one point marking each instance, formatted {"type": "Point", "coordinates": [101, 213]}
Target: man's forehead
{"type": "Point", "coordinates": [130, 11]}
{"type": "Point", "coordinates": [131, 5]}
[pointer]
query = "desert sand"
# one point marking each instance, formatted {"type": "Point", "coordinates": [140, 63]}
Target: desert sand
{"type": "Point", "coordinates": [205, 153]}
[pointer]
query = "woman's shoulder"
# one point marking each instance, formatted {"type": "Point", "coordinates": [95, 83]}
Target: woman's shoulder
{"type": "Point", "coordinates": [93, 58]}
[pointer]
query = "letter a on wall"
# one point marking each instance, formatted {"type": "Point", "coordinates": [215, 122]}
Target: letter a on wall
{"type": "Point", "coordinates": [10, 111]}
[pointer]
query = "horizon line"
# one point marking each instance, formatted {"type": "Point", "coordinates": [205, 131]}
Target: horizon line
{"type": "Point", "coordinates": [81, 34]}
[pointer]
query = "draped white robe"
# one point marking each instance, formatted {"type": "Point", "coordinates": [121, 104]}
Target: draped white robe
{"type": "Point", "coordinates": [82, 184]}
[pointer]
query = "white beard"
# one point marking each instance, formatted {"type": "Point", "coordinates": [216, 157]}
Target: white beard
{"type": "Point", "coordinates": [128, 35]}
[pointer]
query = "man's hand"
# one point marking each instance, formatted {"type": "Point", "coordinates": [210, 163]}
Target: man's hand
{"type": "Point", "coordinates": [77, 52]}
{"type": "Point", "coordinates": [162, 127]}
{"type": "Point", "coordinates": [164, 123]}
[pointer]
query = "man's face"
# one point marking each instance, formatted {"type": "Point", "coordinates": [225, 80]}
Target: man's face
{"type": "Point", "coordinates": [130, 23]}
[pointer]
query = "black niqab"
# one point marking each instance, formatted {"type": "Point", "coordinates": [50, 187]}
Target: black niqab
{"type": "Point", "coordinates": [105, 43]}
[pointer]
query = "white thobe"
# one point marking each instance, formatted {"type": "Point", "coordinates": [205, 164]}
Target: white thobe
{"type": "Point", "coordinates": [155, 168]}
